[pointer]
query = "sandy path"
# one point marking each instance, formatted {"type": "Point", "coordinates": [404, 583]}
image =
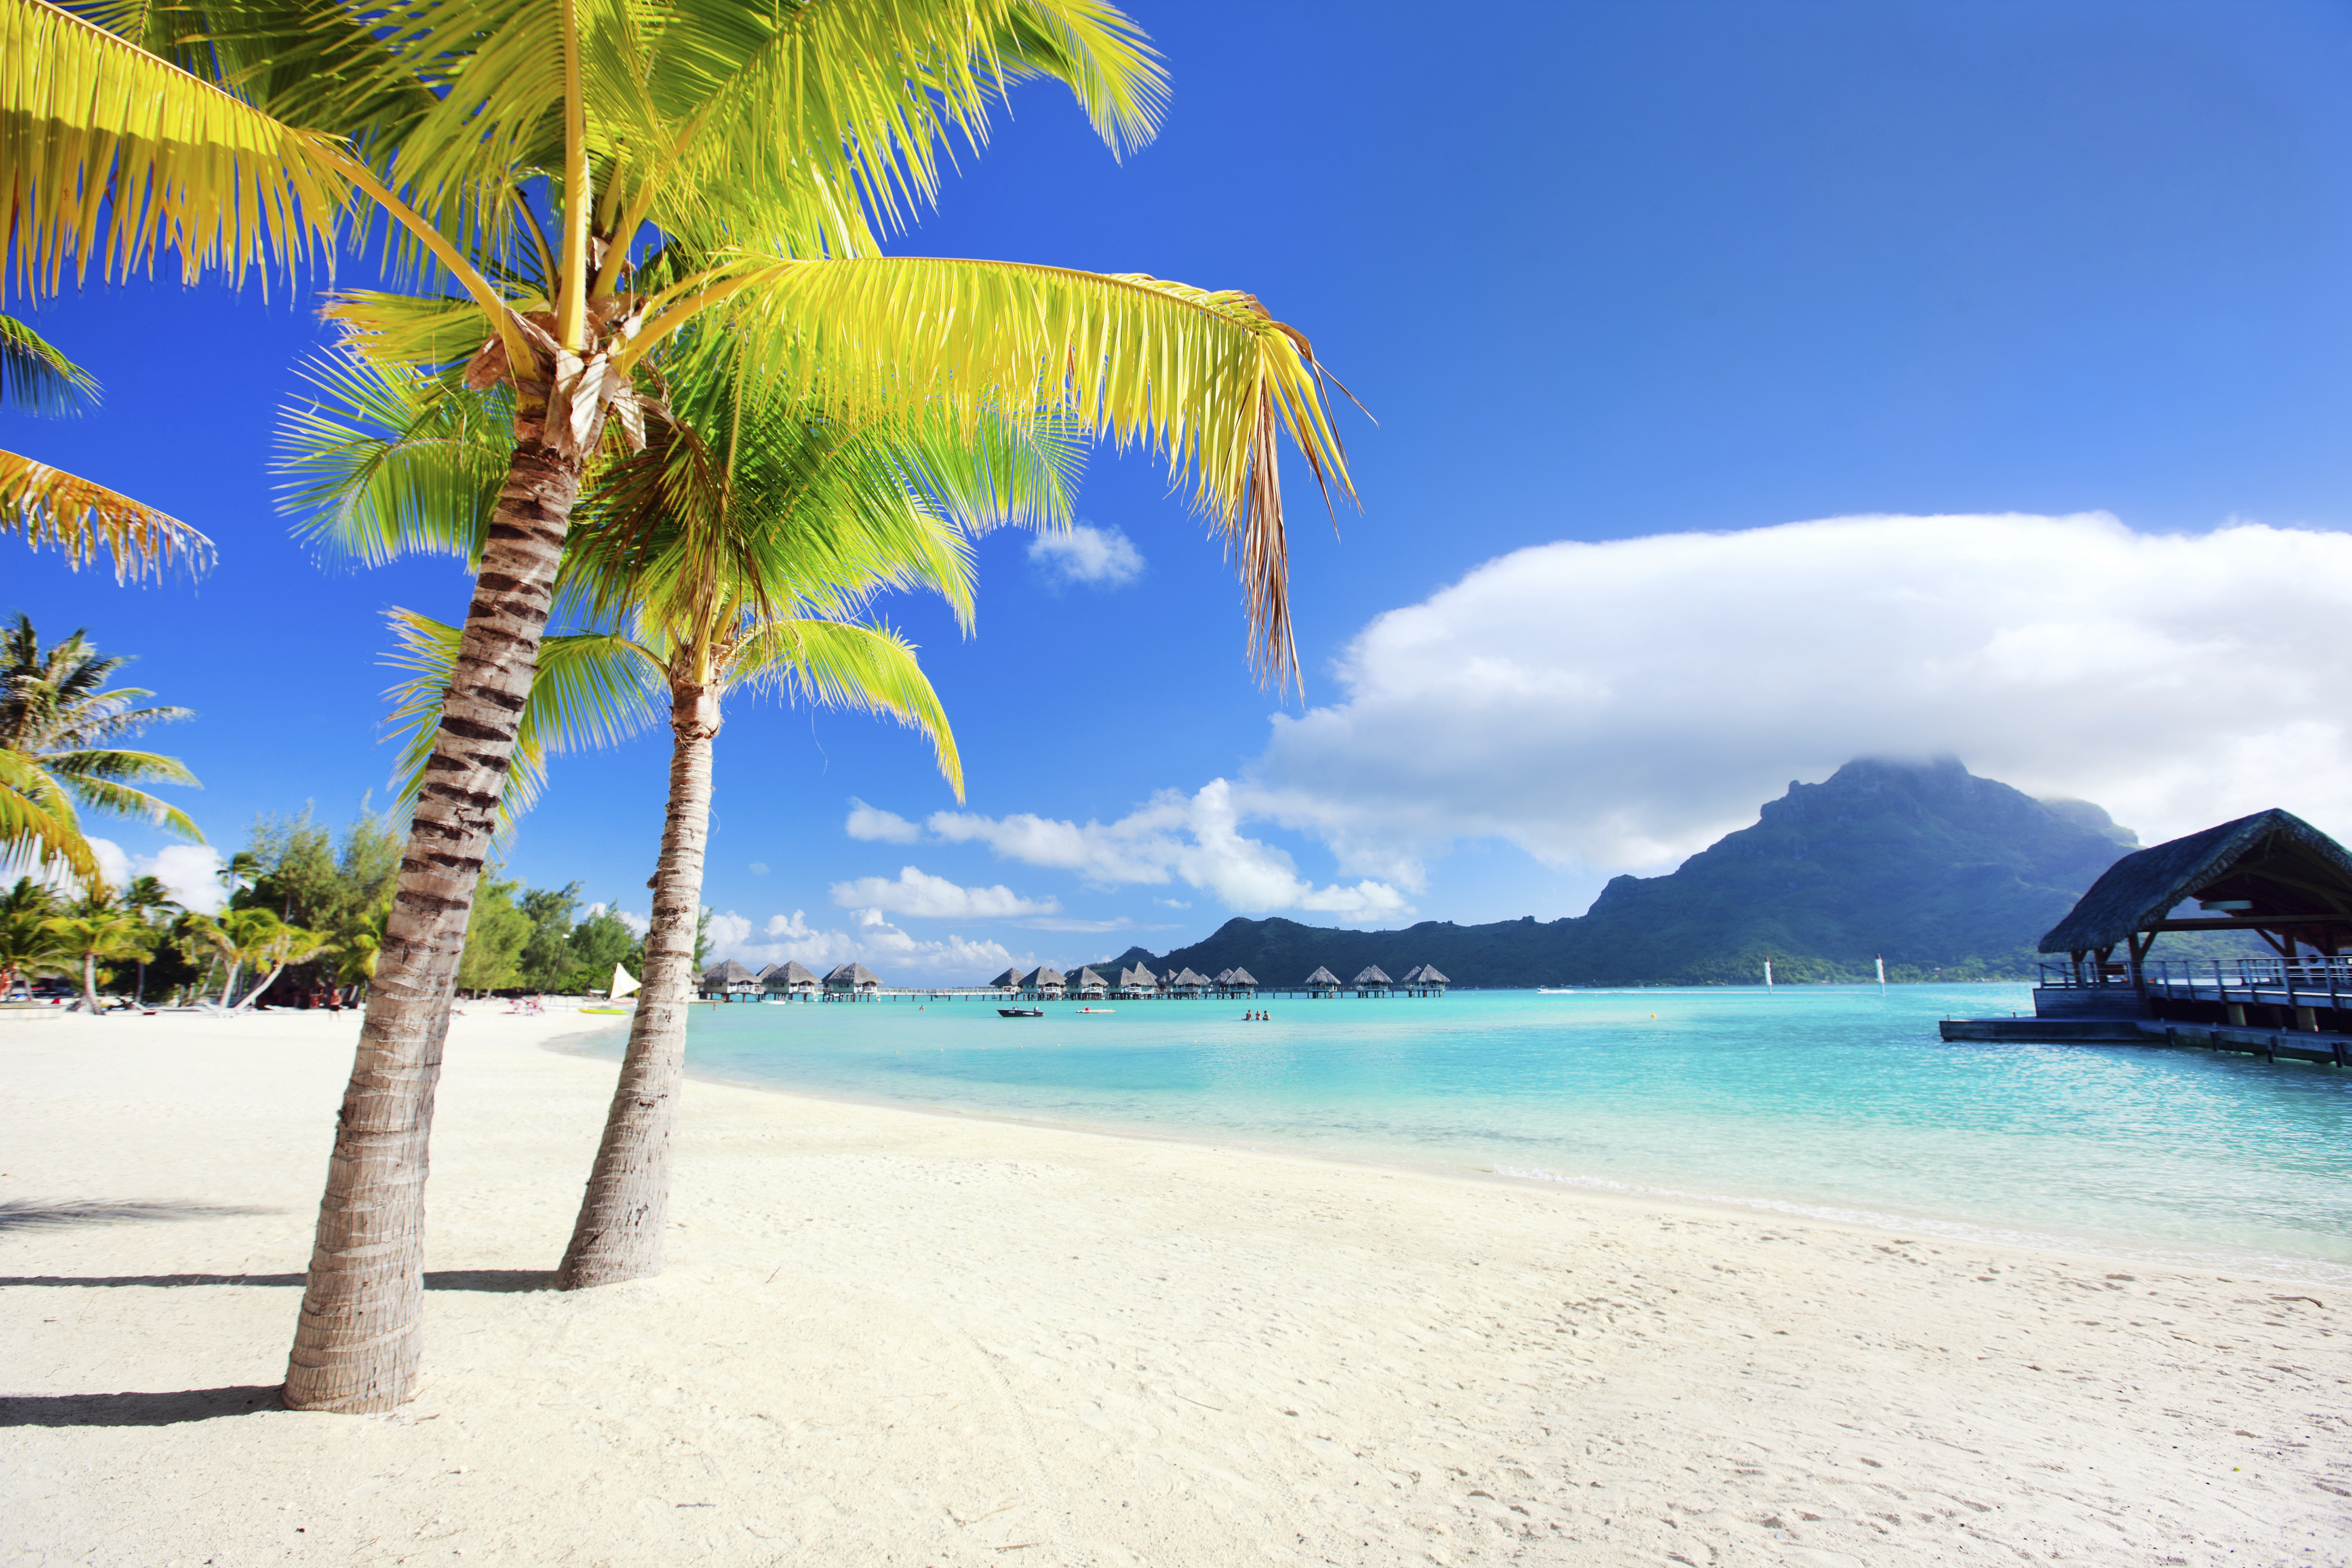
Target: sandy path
{"type": "Point", "coordinates": [892, 1338]}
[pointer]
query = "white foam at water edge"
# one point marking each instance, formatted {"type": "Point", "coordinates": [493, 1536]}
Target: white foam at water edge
{"type": "Point", "coordinates": [2269, 1265]}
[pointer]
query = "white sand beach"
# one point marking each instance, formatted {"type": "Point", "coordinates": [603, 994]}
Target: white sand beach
{"type": "Point", "coordinates": [887, 1337]}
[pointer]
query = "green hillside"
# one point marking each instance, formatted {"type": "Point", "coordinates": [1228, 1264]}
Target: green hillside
{"type": "Point", "coordinates": [1940, 871]}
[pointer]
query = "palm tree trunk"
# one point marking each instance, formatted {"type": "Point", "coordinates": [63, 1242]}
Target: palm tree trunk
{"type": "Point", "coordinates": [358, 1341]}
{"type": "Point", "coordinates": [626, 1207]}
{"type": "Point", "coordinates": [228, 985]}
{"type": "Point", "coordinates": [261, 990]}
{"type": "Point", "coordinates": [90, 981]}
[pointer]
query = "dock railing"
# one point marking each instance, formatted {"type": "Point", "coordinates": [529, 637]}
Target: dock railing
{"type": "Point", "coordinates": [2304, 979]}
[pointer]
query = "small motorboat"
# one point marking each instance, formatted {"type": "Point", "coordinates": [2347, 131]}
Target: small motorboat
{"type": "Point", "coordinates": [1020, 1012]}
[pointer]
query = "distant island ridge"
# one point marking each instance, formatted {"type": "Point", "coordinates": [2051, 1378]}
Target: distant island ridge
{"type": "Point", "coordinates": [1947, 875]}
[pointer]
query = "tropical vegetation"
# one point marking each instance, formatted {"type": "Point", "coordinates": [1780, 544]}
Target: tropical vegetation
{"type": "Point", "coordinates": [704, 166]}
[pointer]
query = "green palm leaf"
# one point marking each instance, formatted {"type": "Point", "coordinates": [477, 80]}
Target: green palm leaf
{"type": "Point", "coordinates": [36, 821]}
{"type": "Point", "coordinates": [37, 378]}
{"type": "Point", "coordinates": [869, 670]}
{"type": "Point", "coordinates": [108, 150]}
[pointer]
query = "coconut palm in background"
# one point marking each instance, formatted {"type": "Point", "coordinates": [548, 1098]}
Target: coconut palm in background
{"type": "Point", "coordinates": [102, 932]}
{"type": "Point", "coordinates": [755, 143]}
{"type": "Point", "coordinates": [60, 726]}
{"type": "Point", "coordinates": [28, 947]}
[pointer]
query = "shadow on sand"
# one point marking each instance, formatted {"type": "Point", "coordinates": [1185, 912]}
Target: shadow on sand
{"type": "Point", "coordinates": [135, 1409]}
{"type": "Point", "coordinates": [29, 1213]}
{"type": "Point", "coordinates": [435, 1279]}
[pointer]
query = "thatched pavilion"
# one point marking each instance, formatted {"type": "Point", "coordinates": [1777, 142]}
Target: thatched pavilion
{"type": "Point", "coordinates": [1088, 982]}
{"type": "Point", "coordinates": [1370, 980]}
{"type": "Point", "coordinates": [1044, 981]}
{"type": "Point", "coordinates": [1137, 982]}
{"type": "Point", "coordinates": [791, 979]}
{"type": "Point", "coordinates": [1008, 981]}
{"type": "Point", "coordinates": [2272, 873]}
{"type": "Point", "coordinates": [1237, 982]}
{"type": "Point", "coordinates": [1322, 983]}
{"type": "Point", "coordinates": [1426, 981]}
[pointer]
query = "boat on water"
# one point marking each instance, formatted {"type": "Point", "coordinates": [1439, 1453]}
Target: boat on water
{"type": "Point", "coordinates": [1097, 1009]}
{"type": "Point", "coordinates": [1020, 1012]}
{"type": "Point", "coordinates": [1555, 990]}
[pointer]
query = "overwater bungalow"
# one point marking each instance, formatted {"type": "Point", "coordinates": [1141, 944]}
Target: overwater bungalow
{"type": "Point", "coordinates": [728, 981]}
{"type": "Point", "coordinates": [1089, 983]}
{"type": "Point", "coordinates": [1322, 983]}
{"type": "Point", "coordinates": [791, 980]}
{"type": "Point", "coordinates": [1188, 982]}
{"type": "Point", "coordinates": [2271, 875]}
{"type": "Point", "coordinates": [1045, 982]}
{"type": "Point", "coordinates": [1371, 982]}
{"type": "Point", "coordinates": [1137, 982]}
{"type": "Point", "coordinates": [851, 983]}
{"type": "Point", "coordinates": [1008, 981]}
{"type": "Point", "coordinates": [1426, 982]}
{"type": "Point", "coordinates": [1237, 982]}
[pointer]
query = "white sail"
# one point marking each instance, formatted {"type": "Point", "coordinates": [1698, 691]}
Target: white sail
{"type": "Point", "coordinates": [1882, 974]}
{"type": "Point", "coordinates": [623, 983]}
{"type": "Point", "coordinates": [1768, 972]}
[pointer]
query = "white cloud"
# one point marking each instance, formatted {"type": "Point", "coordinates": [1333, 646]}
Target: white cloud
{"type": "Point", "coordinates": [917, 892]}
{"type": "Point", "coordinates": [1102, 556]}
{"type": "Point", "coordinates": [191, 872]}
{"type": "Point", "coordinates": [878, 826]}
{"type": "Point", "coordinates": [1194, 838]}
{"type": "Point", "coordinates": [897, 957]}
{"type": "Point", "coordinates": [1617, 705]}
{"type": "Point", "coordinates": [759, 867]}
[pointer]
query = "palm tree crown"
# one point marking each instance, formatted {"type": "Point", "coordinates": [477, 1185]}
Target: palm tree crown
{"type": "Point", "coordinates": [60, 725]}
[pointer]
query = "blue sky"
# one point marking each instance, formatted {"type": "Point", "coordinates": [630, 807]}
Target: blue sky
{"type": "Point", "coordinates": [1617, 281]}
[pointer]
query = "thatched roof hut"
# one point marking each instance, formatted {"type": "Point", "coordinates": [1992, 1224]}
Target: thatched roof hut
{"type": "Point", "coordinates": [728, 979]}
{"type": "Point", "coordinates": [1089, 979]}
{"type": "Point", "coordinates": [1412, 976]}
{"type": "Point", "coordinates": [1371, 977]}
{"type": "Point", "coordinates": [1138, 978]}
{"type": "Point", "coordinates": [789, 976]}
{"type": "Point", "coordinates": [1238, 976]}
{"type": "Point", "coordinates": [1429, 976]}
{"type": "Point", "coordinates": [1321, 980]}
{"type": "Point", "coordinates": [853, 977]}
{"type": "Point", "coordinates": [2272, 872]}
{"type": "Point", "coordinates": [1008, 981]}
{"type": "Point", "coordinates": [1044, 978]}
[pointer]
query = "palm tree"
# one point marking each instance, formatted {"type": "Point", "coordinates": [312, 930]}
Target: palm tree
{"type": "Point", "coordinates": [109, 933]}
{"type": "Point", "coordinates": [143, 898]}
{"type": "Point", "coordinates": [240, 938]}
{"type": "Point", "coordinates": [285, 945]}
{"type": "Point", "coordinates": [707, 165]}
{"type": "Point", "coordinates": [50, 507]}
{"type": "Point", "coordinates": [58, 723]}
{"type": "Point", "coordinates": [28, 947]}
{"type": "Point", "coordinates": [747, 506]}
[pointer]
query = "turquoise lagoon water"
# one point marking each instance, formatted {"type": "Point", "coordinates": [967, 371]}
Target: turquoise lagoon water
{"type": "Point", "coordinates": [1831, 1101]}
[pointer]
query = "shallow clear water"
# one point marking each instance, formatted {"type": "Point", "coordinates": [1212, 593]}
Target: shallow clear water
{"type": "Point", "coordinates": [1834, 1101]}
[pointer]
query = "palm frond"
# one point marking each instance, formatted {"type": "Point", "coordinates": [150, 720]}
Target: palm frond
{"type": "Point", "coordinates": [591, 689]}
{"type": "Point", "coordinates": [51, 509]}
{"type": "Point", "coordinates": [384, 460]}
{"type": "Point", "coordinates": [107, 150]}
{"type": "Point", "coordinates": [1208, 381]}
{"type": "Point", "coordinates": [838, 664]}
{"type": "Point", "coordinates": [37, 823]}
{"type": "Point", "coordinates": [36, 377]}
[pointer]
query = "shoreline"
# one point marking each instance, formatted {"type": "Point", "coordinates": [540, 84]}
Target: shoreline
{"type": "Point", "coordinates": [2210, 1257]}
{"type": "Point", "coordinates": [889, 1335]}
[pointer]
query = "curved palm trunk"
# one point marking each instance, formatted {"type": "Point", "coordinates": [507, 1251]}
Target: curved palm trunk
{"type": "Point", "coordinates": [357, 1343]}
{"type": "Point", "coordinates": [627, 1208]}
{"type": "Point", "coordinates": [90, 981]}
